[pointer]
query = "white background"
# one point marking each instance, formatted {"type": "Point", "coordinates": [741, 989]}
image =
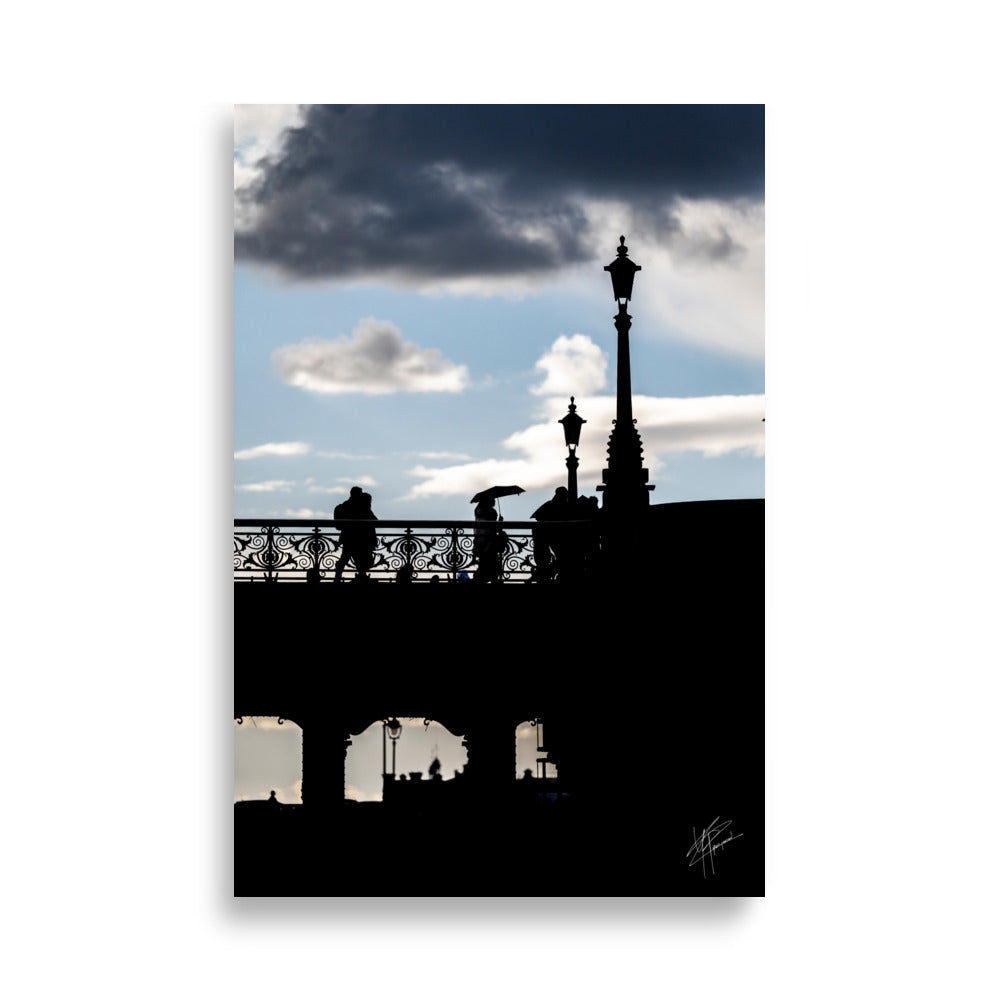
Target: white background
{"type": "Point", "coordinates": [882, 540]}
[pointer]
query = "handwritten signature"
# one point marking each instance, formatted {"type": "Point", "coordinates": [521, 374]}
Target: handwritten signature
{"type": "Point", "coordinates": [713, 838]}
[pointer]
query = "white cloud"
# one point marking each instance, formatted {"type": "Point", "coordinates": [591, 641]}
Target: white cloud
{"type": "Point", "coordinates": [456, 480]}
{"type": "Point", "coordinates": [437, 455]}
{"type": "Point", "coordinates": [708, 261]}
{"type": "Point", "coordinates": [343, 454]}
{"type": "Point", "coordinates": [573, 366]}
{"type": "Point", "coordinates": [702, 277]}
{"type": "Point", "coordinates": [270, 486]}
{"type": "Point", "coordinates": [711, 425]}
{"type": "Point", "coordinates": [275, 448]}
{"type": "Point", "coordinates": [304, 512]}
{"type": "Point", "coordinates": [258, 127]}
{"type": "Point", "coordinates": [374, 360]}
{"type": "Point", "coordinates": [257, 132]}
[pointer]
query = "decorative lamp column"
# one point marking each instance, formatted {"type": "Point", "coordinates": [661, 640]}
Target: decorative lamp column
{"type": "Point", "coordinates": [625, 481]}
{"type": "Point", "coordinates": [395, 730]}
{"type": "Point", "coordinates": [571, 425]}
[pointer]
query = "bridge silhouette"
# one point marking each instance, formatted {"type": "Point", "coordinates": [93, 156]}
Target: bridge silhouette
{"type": "Point", "coordinates": [650, 628]}
{"type": "Point", "coordinates": [665, 654]}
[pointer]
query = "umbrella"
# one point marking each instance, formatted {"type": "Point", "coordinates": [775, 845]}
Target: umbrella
{"type": "Point", "coordinates": [495, 492]}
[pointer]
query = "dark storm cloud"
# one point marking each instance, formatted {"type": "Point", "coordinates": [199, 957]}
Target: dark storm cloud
{"type": "Point", "coordinates": [432, 192]}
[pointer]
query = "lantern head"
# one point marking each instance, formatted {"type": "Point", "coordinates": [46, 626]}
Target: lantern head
{"type": "Point", "coordinates": [622, 272]}
{"type": "Point", "coordinates": [571, 425]}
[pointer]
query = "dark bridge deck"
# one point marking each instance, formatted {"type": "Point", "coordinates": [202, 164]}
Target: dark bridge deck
{"type": "Point", "coordinates": [651, 689]}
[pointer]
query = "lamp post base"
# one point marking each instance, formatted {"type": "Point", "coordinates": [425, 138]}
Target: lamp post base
{"type": "Point", "coordinates": [625, 483]}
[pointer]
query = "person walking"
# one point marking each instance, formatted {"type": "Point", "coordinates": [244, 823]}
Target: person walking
{"type": "Point", "coordinates": [358, 540]}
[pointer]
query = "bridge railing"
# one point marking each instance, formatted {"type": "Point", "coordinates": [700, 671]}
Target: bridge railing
{"type": "Point", "coordinates": [309, 551]}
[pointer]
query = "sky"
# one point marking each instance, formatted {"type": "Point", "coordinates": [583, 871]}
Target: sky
{"type": "Point", "coordinates": [419, 290]}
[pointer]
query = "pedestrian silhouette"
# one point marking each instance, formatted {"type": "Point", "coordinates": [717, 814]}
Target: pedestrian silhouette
{"type": "Point", "coordinates": [358, 540]}
{"type": "Point", "coordinates": [487, 545]}
{"type": "Point", "coordinates": [548, 543]}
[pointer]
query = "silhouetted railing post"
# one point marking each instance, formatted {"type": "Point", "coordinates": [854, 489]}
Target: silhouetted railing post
{"type": "Point", "coordinates": [270, 556]}
{"type": "Point", "coordinates": [454, 559]}
{"type": "Point", "coordinates": [315, 547]}
{"type": "Point", "coordinates": [409, 547]}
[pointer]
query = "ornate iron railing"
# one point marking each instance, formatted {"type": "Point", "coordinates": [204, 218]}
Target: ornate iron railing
{"type": "Point", "coordinates": [307, 551]}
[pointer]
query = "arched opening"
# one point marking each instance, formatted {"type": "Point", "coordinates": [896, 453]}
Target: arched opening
{"type": "Point", "coordinates": [532, 754]}
{"type": "Point", "coordinates": [267, 757]}
{"type": "Point", "coordinates": [416, 749]}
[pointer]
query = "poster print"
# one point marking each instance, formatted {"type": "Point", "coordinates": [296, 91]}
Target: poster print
{"type": "Point", "coordinates": [498, 533]}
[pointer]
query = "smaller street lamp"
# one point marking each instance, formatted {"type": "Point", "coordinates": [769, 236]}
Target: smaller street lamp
{"type": "Point", "coordinates": [395, 731]}
{"type": "Point", "coordinates": [571, 425]}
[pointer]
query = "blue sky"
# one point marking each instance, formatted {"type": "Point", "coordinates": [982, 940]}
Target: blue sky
{"type": "Point", "coordinates": [428, 383]}
{"type": "Point", "coordinates": [430, 376]}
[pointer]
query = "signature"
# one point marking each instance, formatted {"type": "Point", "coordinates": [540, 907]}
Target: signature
{"type": "Point", "coordinates": [713, 838]}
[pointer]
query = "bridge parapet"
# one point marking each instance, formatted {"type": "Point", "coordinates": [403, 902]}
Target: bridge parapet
{"type": "Point", "coordinates": [309, 551]}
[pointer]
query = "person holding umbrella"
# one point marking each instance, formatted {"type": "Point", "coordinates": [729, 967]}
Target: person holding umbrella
{"type": "Point", "coordinates": [489, 542]}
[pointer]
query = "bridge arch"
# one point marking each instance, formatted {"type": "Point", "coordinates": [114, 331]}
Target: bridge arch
{"type": "Point", "coordinates": [421, 741]}
{"type": "Point", "coordinates": [532, 752]}
{"type": "Point", "coordinates": [267, 757]}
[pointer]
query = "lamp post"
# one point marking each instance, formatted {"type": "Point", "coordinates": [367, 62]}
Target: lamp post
{"type": "Point", "coordinates": [395, 731]}
{"type": "Point", "coordinates": [624, 481]}
{"type": "Point", "coordinates": [571, 425]}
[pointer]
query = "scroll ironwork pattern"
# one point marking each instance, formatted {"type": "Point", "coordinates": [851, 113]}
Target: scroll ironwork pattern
{"type": "Point", "coordinates": [307, 551]}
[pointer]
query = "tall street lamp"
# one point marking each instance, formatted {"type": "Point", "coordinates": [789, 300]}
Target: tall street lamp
{"type": "Point", "coordinates": [571, 425]}
{"type": "Point", "coordinates": [624, 481]}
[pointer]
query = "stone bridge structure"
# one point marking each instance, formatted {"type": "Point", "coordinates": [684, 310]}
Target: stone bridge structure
{"type": "Point", "coordinates": [648, 679]}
